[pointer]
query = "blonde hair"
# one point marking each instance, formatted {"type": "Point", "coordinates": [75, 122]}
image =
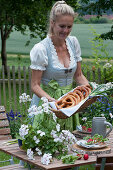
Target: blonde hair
{"type": "Point", "coordinates": [59, 8]}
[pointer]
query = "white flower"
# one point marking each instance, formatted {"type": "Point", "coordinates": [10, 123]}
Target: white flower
{"type": "Point", "coordinates": [102, 115]}
{"type": "Point", "coordinates": [110, 114]}
{"type": "Point", "coordinates": [42, 133]}
{"type": "Point", "coordinates": [57, 140]}
{"type": "Point", "coordinates": [84, 119]}
{"type": "Point", "coordinates": [33, 110]}
{"type": "Point", "coordinates": [53, 133]}
{"type": "Point", "coordinates": [46, 109]}
{"type": "Point", "coordinates": [44, 99]}
{"type": "Point", "coordinates": [37, 141]}
{"type": "Point", "coordinates": [23, 131]}
{"type": "Point", "coordinates": [24, 98]}
{"type": "Point", "coordinates": [54, 117]}
{"type": "Point", "coordinates": [35, 138]}
{"type": "Point", "coordinates": [39, 131]}
{"type": "Point", "coordinates": [58, 127]}
{"type": "Point", "coordinates": [46, 159]}
{"type": "Point", "coordinates": [107, 65]}
{"type": "Point", "coordinates": [38, 151]}
{"type": "Point", "coordinates": [69, 137]}
{"type": "Point", "coordinates": [30, 154]}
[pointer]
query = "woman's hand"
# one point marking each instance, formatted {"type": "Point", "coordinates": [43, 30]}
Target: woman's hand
{"type": "Point", "coordinates": [51, 99]}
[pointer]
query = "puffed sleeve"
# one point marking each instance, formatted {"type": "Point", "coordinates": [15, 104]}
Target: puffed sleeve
{"type": "Point", "coordinates": [77, 49]}
{"type": "Point", "coordinates": [38, 57]}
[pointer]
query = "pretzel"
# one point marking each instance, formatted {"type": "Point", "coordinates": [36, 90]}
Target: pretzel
{"type": "Point", "coordinates": [83, 90]}
{"type": "Point", "coordinates": [79, 93]}
{"type": "Point", "coordinates": [88, 89]}
{"type": "Point", "coordinates": [75, 96]}
{"type": "Point", "coordinates": [69, 101]}
{"type": "Point", "coordinates": [66, 102]}
{"type": "Point", "coordinates": [59, 104]}
{"type": "Point", "coordinates": [88, 86]}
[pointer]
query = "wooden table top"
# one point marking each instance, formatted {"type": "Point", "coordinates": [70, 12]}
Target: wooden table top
{"type": "Point", "coordinates": [15, 151]}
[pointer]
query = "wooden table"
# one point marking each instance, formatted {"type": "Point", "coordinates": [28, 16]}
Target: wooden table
{"type": "Point", "coordinates": [15, 151]}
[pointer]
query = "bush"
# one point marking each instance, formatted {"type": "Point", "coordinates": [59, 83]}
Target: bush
{"type": "Point", "coordinates": [102, 107]}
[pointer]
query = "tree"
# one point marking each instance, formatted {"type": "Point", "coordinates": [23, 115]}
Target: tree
{"type": "Point", "coordinates": [21, 15]}
{"type": "Point", "coordinates": [98, 7]}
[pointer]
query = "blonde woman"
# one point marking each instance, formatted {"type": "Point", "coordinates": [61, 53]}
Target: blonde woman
{"type": "Point", "coordinates": [56, 60]}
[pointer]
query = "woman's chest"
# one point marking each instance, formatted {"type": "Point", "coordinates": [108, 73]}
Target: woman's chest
{"type": "Point", "coordinates": [63, 56]}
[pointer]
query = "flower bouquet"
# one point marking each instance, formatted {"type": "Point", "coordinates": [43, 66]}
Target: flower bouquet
{"type": "Point", "coordinates": [44, 136]}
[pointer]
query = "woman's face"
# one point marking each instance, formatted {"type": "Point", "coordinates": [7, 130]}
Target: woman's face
{"type": "Point", "coordinates": [62, 26]}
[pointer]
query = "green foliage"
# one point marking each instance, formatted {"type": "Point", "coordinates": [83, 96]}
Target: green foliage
{"type": "Point", "coordinates": [99, 48]}
{"type": "Point", "coordinates": [108, 74]}
{"type": "Point", "coordinates": [98, 8]}
{"type": "Point", "coordinates": [46, 137]}
{"type": "Point", "coordinates": [102, 107]}
{"type": "Point", "coordinates": [69, 159]}
{"type": "Point", "coordinates": [92, 20]}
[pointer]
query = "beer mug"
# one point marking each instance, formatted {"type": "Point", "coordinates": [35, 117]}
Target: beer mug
{"type": "Point", "coordinates": [99, 126]}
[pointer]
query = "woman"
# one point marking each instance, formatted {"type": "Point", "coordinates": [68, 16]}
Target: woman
{"type": "Point", "coordinates": [55, 61]}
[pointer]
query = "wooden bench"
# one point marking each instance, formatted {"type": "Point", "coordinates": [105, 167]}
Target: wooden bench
{"type": "Point", "coordinates": [4, 135]}
{"type": "Point", "coordinates": [104, 162]}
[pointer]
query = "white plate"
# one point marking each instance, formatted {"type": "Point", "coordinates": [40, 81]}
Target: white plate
{"type": "Point", "coordinates": [93, 146]}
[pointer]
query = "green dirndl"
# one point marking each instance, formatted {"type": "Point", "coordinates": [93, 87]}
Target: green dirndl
{"type": "Point", "coordinates": [56, 91]}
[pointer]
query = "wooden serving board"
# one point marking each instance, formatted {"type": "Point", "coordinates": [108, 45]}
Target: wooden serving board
{"type": "Point", "coordinates": [105, 150]}
{"type": "Point", "coordinates": [79, 134]}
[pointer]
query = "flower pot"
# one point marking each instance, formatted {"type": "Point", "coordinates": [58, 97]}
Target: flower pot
{"type": "Point", "coordinates": [20, 143]}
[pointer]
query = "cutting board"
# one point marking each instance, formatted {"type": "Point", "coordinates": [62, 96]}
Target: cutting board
{"type": "Point", "coordinates": [80, 149]}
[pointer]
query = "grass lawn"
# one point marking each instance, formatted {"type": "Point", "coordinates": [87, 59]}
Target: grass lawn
{"type": "Point", "coordinates": [4, 156]}
{"type": "Point", "coordinates": [16, 42]}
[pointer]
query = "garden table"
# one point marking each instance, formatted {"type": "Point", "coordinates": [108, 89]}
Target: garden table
{"type": "Point", "coordinates": [15, 151]}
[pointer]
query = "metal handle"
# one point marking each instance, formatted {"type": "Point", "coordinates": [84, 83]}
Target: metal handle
{"type": "Point", "coordinates": [110, 125]}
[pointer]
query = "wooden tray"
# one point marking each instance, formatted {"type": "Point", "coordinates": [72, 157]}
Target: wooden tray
{"type": "Point", "coordinates": [80, 135]}
{"type": "Point", "coordinates": [61, 115]}
{"type": "Point", "coordinates": [105, 150]}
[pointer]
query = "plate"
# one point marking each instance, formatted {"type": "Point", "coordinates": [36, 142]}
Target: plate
{"type": "Point", "coordinates": [93, 146]}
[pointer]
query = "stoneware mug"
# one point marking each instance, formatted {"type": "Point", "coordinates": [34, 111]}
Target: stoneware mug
{"type": "Point", "coordinates": [99, 126]}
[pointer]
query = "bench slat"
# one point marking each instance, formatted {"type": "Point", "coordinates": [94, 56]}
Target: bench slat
{"type": "Point", "coordinates": [4, 123]}
{"type": "Point", "coordinates": [4, 131]}
{"type": "Point", "coordinates": [3, 116]}
{"type": "Point", "coordinates": [2, 109]}
{"type": "Point", "coordinates": [5, 137]}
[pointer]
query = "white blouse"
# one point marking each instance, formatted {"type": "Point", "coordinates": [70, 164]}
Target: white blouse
{"type": "Point", "coordinates": [39, 58]}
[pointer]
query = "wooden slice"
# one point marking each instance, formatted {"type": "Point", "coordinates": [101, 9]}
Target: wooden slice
{"type": "Point", "coordinates": [90, 151]}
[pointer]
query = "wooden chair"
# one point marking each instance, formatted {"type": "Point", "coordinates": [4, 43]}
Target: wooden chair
{"type": "Point", "coordinates": [104, 162]}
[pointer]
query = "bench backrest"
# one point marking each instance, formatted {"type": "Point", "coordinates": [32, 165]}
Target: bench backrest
{"type": "Point", "coordinates": [4, 125]}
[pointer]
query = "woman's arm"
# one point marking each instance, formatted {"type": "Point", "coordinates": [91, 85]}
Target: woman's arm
{"type": "Point", "coordinates": [79, 77]}
{"type": "Point", "coordinates": [35, 85]}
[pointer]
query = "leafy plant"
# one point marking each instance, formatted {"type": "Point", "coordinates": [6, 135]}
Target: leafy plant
{"type": "Point", "coordinates": [99, 48]}
{"type": "Point", "coordinates": [14, 122]}
{"type": "Point", "coordinates": [44, 136]}
{"type": "Point", "coordinates": [69, 159]}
